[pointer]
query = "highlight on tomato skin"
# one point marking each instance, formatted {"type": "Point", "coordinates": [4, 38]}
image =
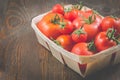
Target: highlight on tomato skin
{"type": "Point", "coordinates": [81, 49]}
{"type": "Point", "coordinates": [65, 41]}
{"type": "Point", "coordinates": [117, 24]}
{"type": "Point", "coordinates": [107, 22]}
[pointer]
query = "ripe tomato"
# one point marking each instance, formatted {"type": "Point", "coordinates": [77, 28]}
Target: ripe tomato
{"type": "Point", "coordinates": [117, 25]}
{"type": "Point", "coordinates": [90, 12]}
{"type": "Point", "coordinates": [78, 22]}
{"type": "Point", "coordinates": [91, 27]}
{"type": "Point", "coordinates": [91, 24]}
{"type": "Point", "coordinates": [102, 41]}
{"type": "Point", "coordinates": [91, 30]}
{"type": "Point", "coordinates": [65, 41]}
{"type": "Point", "coordinates": [71, 15]}
{"type": "Point", "coordinates": [107, 22]}
{"type": "Point", "coordinates": [79, 35]}
{"type": "Point", "coordinates": [47, 27]}
{"type": "Point", "coordinates": [87, 13]}
{"type": "Point", "coordinates": [66, 27]}
{"type": "Point", "coordinates": [81, 49]}
{"type": "Point", "coordinates": [58, 9]}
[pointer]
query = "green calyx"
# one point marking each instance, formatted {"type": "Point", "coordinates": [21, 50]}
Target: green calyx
{"type": "Point", "coordinates": [114, 17]}
{"type": "Point", "coordinates": [96, 12]}
{"type": "Point", "coordinates": [91, 46]}
{"type": "Point", "coordinates": [111, 35]}
{"type": "Point", "coordinates": [55, 19]}
{"type": "Point", "coordinates": [78, 6]}
{"type": "Point", "coordinates": [90, 19]}
{"type": "Point", "coordinates": [56, 42]}
{"type": "Point", "coordinates": [62, 24]}
{"type": "Point", "coordinates": [67, 9]}
{"type": "Point", "coordinates": [79, 31]}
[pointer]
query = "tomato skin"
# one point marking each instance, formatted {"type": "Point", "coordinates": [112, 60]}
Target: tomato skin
{"type": "Point", "coordinates": [78, 36]}
{"type": "Point", "coordinates": [102, 42]}
{"type": "Point", "coordinates": [58, 9]}
{"type": "Point", "coordinates": [91, 30]}
{"type": "Point", "coordinates": [107, 22]}
{"type": "Point", "coordinates": [87, 13]}
{"type": "Point", "coordinates": [65, 41]}
{"type": "Point", "coordinates": [67, 28]}
{"type": "Point", "coordinates": [48, 28]}
{"type": "Point", "coordinates": [78, 22]}
{"type": "Point", "coordinates": [71, 15]}
{"type": "Point", "coordinates": [117, 25]}
{"type": "Point", "coordinates": [81, 49]}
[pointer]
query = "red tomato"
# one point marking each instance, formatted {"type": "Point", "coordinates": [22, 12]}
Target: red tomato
{"type": "Point", "coordinates": [107, 22]}
{"type": "Point", "coordinates": [78, 22]}
{"type": "Point", "coordinates": [102, 41]}
{"type": "Point", "coordinates": [66, 27]}
{"type": "Point", "coordinates": [81, 49]}
{"type": "Point", "coordinates": [58, 9]}
{"type": "Point", "coordinates": [117, 25]}
{"type": "Point", "coordinates": [79, 35]}
{"type": "Point", "coordinates": [47, 27]}
{"type": "Point", "coordinates": [91, 30]}
{"type": "Point", "coordinates": [71, 15]}
{"type": "Point", "coordinates": [65, 41]}
{"type": "Point", "coordinates": [88, 13]}
{"type": "Point", "coordinates": [91, 24]}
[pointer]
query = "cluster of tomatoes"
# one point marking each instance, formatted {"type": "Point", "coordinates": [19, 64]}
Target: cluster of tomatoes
{"type": "Point", "coordinates": [82, 32]}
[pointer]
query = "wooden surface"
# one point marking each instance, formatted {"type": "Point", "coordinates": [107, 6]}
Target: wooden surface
{"type": "Point", "coordinates": [22, 58]}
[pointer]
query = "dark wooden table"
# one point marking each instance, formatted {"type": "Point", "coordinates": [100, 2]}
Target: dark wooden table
{"type": "Point", "coordinates": [22, 58]}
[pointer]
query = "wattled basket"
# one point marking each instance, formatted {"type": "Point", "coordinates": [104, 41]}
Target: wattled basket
{"type": "Point", "coordinates": [93, 63]}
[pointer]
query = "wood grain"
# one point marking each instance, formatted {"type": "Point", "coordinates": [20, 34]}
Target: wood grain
{"type": "Point", "coordinates": [22, 58]}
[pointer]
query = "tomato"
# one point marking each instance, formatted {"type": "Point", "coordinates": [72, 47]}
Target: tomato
{"type": "Point", "coordinates": [102, 41]}
{"type": "Point", "coordinates": [87, 13]}
{"type": "Point", "coordinates": [107, 22]}
{"type": "Point", "coordinates": [78, 22]}
{"type": "Point", "coordinates": [91, 27]}
{"type": "Point", "coordinates": [71, 15]}
{"type": "Point", "coordinates": [117, 24]}
{"type": "Point", "coordinates": [66, 27]}
{"type": "Point", "coordinates": [65, 41]}
{"type": "Point", "coordinates": [79, 35]}
{"type": "Point", "coordinates": [47, 27]}
{"type": "Point", "coordinates": [81, 49]}
{"type": "Point", "coordinates": [91, 30]}
{"type": "Point", "coordinates": [58, 9]}
{"type": "Point", "coordinates": [91, 24]}
{"type": "Point", "coordinates": [90, 12]}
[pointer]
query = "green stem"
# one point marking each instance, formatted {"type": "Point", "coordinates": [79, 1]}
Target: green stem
{"type": "Point", "coordinates": [78, 6]}
{"type": "Point", "coordinates": [55, 19]}
{"type": "Point", "coordinates": [90, 20]}
{"type": "Point", "coordinates": [91, 46]}
{"type": "Point", "coordinates": [80, 31]}
{"type": "Point", "coordinates": [110, 35]}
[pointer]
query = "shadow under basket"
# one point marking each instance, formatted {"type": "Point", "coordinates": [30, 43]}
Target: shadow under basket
{"type": "Point", "coordinates": [83, 65]}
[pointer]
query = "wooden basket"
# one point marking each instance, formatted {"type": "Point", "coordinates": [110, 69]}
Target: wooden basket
{"type": "Point", "coordinates": [93, 63]}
